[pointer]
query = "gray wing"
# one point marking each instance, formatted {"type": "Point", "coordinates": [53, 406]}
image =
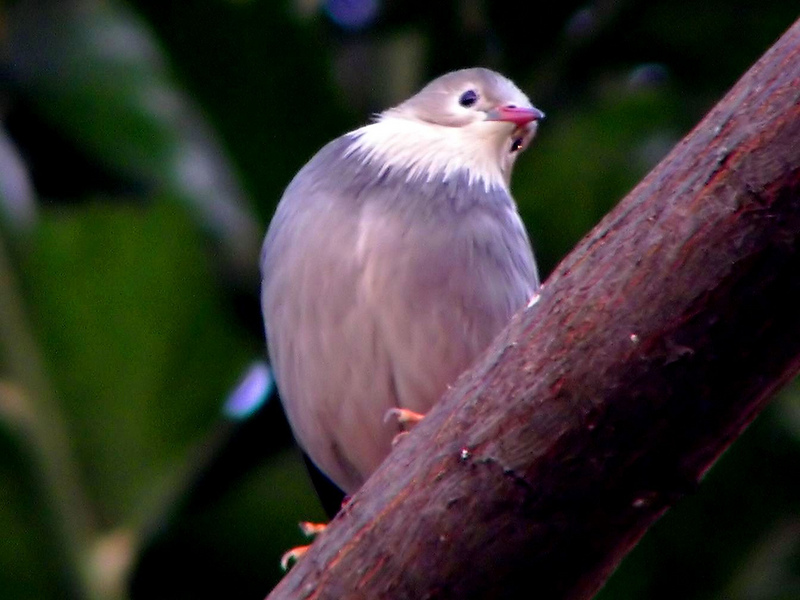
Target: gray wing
{"type": "Point", "coordinates": [367, 307]}
{"type": "Point", "coordinates": [331, 368]}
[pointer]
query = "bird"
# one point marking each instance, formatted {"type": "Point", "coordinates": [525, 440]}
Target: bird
{"type": "Point", "coordinates": [394, 257]}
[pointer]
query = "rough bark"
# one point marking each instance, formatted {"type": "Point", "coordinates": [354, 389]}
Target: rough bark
{"type": "Point", "coordinates": [649, 350]}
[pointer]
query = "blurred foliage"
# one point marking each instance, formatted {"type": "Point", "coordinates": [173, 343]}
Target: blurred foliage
{"type": "Point", "coordinates": [143, 146]}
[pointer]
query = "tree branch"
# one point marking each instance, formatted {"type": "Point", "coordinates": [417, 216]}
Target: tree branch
{"type": "Point", "coordinates": [650, 349]}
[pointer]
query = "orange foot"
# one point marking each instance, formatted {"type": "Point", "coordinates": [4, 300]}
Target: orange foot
{"type": "Point", "coordinates": [404, 417]}
{"type": "Point", "coordinates": [309, 530]}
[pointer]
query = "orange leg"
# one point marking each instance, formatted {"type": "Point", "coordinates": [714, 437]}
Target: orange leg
{"type": "Point", "coordinates": [403, 416]}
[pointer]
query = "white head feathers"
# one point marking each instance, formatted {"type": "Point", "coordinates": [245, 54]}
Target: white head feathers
{"type": "Point", "coordinates": [472, 121]}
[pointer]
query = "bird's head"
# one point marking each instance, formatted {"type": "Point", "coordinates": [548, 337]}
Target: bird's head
{"type": "Point", "coordinates": [473, 119]}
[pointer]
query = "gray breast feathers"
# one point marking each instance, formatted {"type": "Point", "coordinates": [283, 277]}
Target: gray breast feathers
{"type": "Point", "coordinates": [378, 292]}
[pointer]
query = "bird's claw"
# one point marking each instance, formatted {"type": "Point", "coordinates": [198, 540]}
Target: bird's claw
{"type": "Point", "coordinates": [292, 556]}
{"type": "Point", "coordinates": [309, 529]}
{"type": "Point", "coordinates": [396, 439]}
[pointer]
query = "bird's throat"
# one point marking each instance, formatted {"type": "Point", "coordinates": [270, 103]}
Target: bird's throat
{"type": "Point", "coordinates": [431, 152]}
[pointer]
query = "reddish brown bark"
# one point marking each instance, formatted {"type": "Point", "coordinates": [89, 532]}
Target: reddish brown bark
{"type": "Point", "coordinates": [652, 346]}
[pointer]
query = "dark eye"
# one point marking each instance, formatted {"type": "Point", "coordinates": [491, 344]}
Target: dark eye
{"type": "Point", "coordinates": [516, 144]}
{"type": "Point", "coordinates": [468, 98]}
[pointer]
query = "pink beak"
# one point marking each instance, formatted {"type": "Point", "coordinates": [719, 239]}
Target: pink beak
{"type": "Point", "coordinates": [518, 115]}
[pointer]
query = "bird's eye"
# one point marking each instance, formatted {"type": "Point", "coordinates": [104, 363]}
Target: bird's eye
{"type": "Point", "coordinates": [468, 98]}
{"type": "Point", "coordinates": [516, 144]}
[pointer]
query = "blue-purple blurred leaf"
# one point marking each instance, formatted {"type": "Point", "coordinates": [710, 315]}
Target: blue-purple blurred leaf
{"type": "Point", "coordinates": [251, 393]}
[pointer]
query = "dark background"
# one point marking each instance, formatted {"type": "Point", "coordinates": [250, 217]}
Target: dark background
{"type": "Point", "coordinates": [143, 147]}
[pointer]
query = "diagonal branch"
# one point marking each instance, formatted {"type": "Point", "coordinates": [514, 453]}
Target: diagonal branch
{"type": "Point", "coordinates": [650, 349]}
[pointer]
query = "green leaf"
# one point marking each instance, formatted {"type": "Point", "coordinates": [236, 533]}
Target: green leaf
{"type": "Point", "coordinates": [139, 344]}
